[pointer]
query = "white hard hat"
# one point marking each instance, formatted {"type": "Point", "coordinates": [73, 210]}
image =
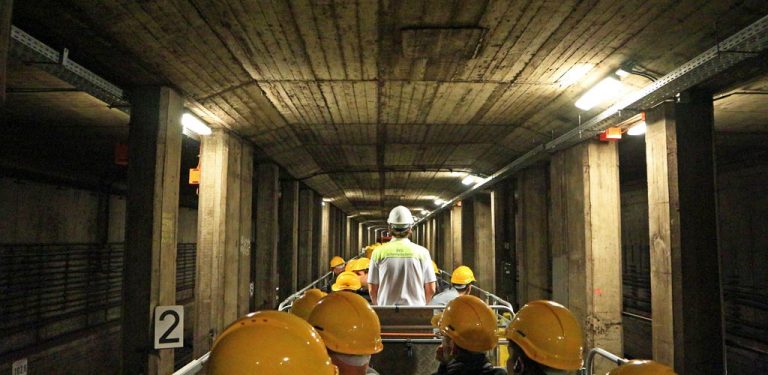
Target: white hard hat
{"type": "Point", "coordinates": [400, 216]}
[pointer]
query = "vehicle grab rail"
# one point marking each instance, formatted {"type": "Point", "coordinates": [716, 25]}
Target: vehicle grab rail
{"type": "Point", "coordinates": [590, 362]}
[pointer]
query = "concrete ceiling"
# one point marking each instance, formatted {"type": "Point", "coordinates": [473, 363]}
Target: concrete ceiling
{"type": "Point", "coordinates": [377, 103]}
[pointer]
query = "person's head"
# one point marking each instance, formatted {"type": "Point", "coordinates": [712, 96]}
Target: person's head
{"type": "Point", "coordinates": [337, 265]}
{"type": "Point", "coordinates": [350, 265]}
{"type": "Point", "coordinates": [544, 338]}
{"type": "Point", "coordinates": [360, 268]}
{"type": "Point", "coordinates": [462, 279]}
{"type": "Point", "coordinates": [642, 367]}
{"type": "Point", "coordinates": [347, 281]}
{"type": "Point", "coordinates": [467, 325]}
{"type": "Point", "coordinates": [350, 329]}
{"type": "Point", "coordinates": [269, 343]}
{"type": "Point", "coordinates": [400, 222]}
{"type": "Point", "coordinates": [304, 304]}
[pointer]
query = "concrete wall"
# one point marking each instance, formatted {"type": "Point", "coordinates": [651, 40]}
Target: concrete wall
{"type": "Point", "coordinates": [32, 212]}
{"type": "Point", "coordinates": [38, 213]}
{"type": "Point", "coordinates": [743, 241]}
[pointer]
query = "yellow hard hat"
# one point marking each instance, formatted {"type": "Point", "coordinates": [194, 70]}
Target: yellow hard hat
{"type": "Point", "coordinates": [346, 281]}
{"type": "Point", "coordinates": [462, 275]}
{"type": "Point", "coordinates": [369, 251]}
{"type": "Point", "coordinates": [304, 305]}
{"type": "Point", "coordinates": [470, 323]}
{"type": "Point", "coordinates": [549, 334]}
{"type": "Point", "coordinates": [349, 265]}
{"type": "Point", "coordinates": [638, 367]}
{"type": "Point", "coordinates": [361, 264]}
{"type": "Point", "coordinates": [269, 343]}
{"type": "Point", "coordinates": [347, 324]}
{"type": "Point", "coordinates": [434, 267]}
{"type": "Point", "coordinates": [336, 261]}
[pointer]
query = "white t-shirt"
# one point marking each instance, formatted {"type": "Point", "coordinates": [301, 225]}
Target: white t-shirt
{"type": "Point", "coordinates": [401, 268]}
{"type": "Point", "coordinates": [444, 297]}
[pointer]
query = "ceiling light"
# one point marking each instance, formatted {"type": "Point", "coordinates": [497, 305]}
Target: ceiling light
{"type": "Point", "coordinates": [622, 73]}
{"type": "Point", "coordinates": [574, 74]}
{"type": "Point", "coordinates": [327, 200]}
{"type": "Point", "coordinates": [469, 180]}
{"type": "Point", "coordinates": [439, 201]}
{"type": "Point", "coordinates": [605, 89]}
{"type": "Point", "coordinates": [637, 129]}
{"type": "Point", "coordinates": [190, 122]}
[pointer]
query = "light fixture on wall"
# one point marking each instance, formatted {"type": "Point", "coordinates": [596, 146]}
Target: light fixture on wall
{"type": "Point", "coordinates": [194, 124]}
{"type": "Point", "coordinates": [574, 74]}
{"type": "Point", "coordinates": [639, 127]}
{"type": "Point", "coordinates": [470, 179]}
{"type": "Point", "coordinates": [599, 93]}
{"type": "Point", "coordinates": [439, 201]}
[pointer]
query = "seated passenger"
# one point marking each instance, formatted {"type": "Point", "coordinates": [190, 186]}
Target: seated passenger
{"type": "Point", "coordinates": [638, 367]}
{"type": "Point", "coordinates": [350, 264]}
{"type": "Point", "coordinates": [468, 327]}
{"type": "Point", "coordinates": [351, 331]}
{"type": "Point", "coordinates": [347, 281]}
{"type": "Point", "coordinates": [337, 267]}
{"type": "Point", "coordinates": [544, 339]}
{"type": "Point", "coordinates": [360, 268]}
{"type": "Point", "coordinates": [302, 307]}
{"type": "Point", "coordinates": [461, 282]}
{"type": "Point", "coordinates": [269, 343]}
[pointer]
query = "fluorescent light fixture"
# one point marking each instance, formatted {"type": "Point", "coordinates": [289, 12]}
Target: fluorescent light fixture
{"type": "Point", "coordinates": [622, 73]}
{"type": "Point", "coordinates": [602, 91]}
{"type": "Point", "coordinates": [469, 180]}
{"type": "Point", "coordinates": [439, 201]}
{"type": "Point", "coordinates": [637, 129]}
{"type": "Point", "coordinates": [574, 74]}
{"type": "Point", "coordinates": [190, 122]}
{"type": "Point", "coordinates": [327, 200]}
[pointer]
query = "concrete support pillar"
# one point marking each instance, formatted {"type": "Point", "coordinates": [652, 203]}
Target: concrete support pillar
{"type": "Point", "coordinates": [307, 231]}
{"type": "Point", "coordinates": [364, 235]}
{"type": "Point", "coordinates": [504, 226]}
{"type": "Point", "coordinates": [468, 233]}
{"type": "Point", "coordinates": [431, 238]}
{"type": "Point", "coordinates": [335, 233]}
{"type": "Point", "coordinates": [585, 232]}
{"type": "Point", "coordinates": [360, 236]}
{"type": "Point", "coordinates": [686, 296]}
{"type": "Point", "coordinates": [223, 235]}
{"type": "Point", "coordinates": [151, 223]}
{"type": "Point", "coordinates": [456, 236]}
{"type": "Point", "coordinates": [265, 254]}
{"type": "Point", "coordinates": [534, 265]}
{"type": "Point", "coordinates": [318, 266]}
{"type": "Point", "coordinates": [288, 244]}
{"type": "Point", "coordinates": [325, 240]}
{"type": "Point", "coordinates": [350, 237]}
{"type": "Point", "coordinates": [446, 248]}
{"type": "Point", "coordinates": [484, 241]}
{"type": "Point", "coordinates": [6, 10]}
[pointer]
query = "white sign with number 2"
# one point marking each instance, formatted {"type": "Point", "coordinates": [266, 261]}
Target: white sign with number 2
{"type": "Point", "coordinates": [169, 327]}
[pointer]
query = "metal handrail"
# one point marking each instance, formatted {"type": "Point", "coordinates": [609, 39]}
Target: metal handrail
{"type": "Point", "coordinates": [488, 295]}
{"type": "Point", "coordinates": [589, 365]}
{"type": "Point", "coordinates": [193, 367]}
{"type": "Point", "coordinates": [286, 303]}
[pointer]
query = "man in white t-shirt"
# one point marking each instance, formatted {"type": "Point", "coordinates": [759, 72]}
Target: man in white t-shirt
{"type": "Point", "coordinates": [401, 271]}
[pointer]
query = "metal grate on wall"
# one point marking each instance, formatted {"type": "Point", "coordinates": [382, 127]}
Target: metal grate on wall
{"type": "Point", "coordinates": [48, 291]}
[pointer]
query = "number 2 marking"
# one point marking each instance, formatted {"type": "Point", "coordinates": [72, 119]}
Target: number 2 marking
{"type": "Point", "coordinates": [164, 338]}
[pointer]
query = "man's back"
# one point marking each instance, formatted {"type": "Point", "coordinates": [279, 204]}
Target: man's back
{"type": "Point", "coordinates": [400, 268]}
